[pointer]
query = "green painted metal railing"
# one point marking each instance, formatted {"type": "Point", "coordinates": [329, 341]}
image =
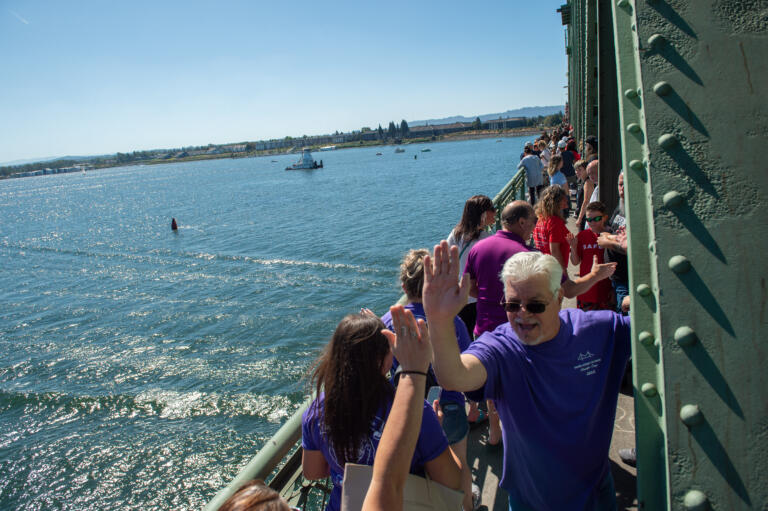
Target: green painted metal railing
{"type": "Point", "coordinates": [283, 449]}
{"type": "Point", "coordinates": [514, 190]}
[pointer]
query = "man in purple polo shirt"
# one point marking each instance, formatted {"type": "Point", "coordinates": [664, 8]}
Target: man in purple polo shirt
{"type": "Point", "coordinates": [554, 376]}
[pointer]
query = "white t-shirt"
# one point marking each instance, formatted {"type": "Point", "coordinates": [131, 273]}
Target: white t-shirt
{"type": "Point", "coordinates": [464, 249]}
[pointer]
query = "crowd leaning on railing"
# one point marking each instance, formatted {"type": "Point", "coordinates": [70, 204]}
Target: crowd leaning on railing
{"type": "Point", "coordinates": [484, 326]}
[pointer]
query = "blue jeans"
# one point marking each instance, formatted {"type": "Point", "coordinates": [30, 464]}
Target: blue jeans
{"type": "Point", "coordinates": [605, 498]}
{"type": "Point", "coordinates": [455, 423]}
{"type": "Point", "coordinates": [622, 290]}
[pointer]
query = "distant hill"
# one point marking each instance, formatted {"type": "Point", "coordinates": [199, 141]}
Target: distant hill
{"type": "Point", "coordinates": [51, 158]}
{"type": "Point", "coordinates": [529, 111]}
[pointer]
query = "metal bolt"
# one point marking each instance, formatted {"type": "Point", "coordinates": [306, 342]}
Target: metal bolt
{"type": "Point", "coordinates": [679, 264]}
{"type": "Point", "coordinates": [672, 199]}
{"type": "Point", "coordinates": [645, 337]}
{"type": "Point", "coordinates": [667, 141]}
{"type": "Point", "coordinates": [648, 389]}
{"type": "Point", "coordinates": [643, 289]}
{"type": "Point", "coordinates": [633, 127]}
{"type": "Point", "coordinates": [695, 500]}
{"type": "Point", "coordinates": [656, 40]}
{"type": "Point", "coordinates": [662, 88]}
{"type": "Point", "coordinates": [685, 336]}
{"type": "Point", "coordinates": [690, 415]}
{"type": "Point", "coordinates": [630, 93]}
{"type": "Point", "coordinates": [636, 165]}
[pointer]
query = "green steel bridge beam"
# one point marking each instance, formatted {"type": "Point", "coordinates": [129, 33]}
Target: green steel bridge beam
{"type": "Point", "coordinates": [693, 125]}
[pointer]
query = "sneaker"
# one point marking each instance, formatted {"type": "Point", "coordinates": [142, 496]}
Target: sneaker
{"type": "Point", "coordinates": [475, 496]}
{"type": "Point", "coordinates": [629, 456]}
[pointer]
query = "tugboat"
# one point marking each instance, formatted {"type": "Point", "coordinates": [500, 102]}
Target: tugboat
{"type": "Point", "coordinates": [305, 162]}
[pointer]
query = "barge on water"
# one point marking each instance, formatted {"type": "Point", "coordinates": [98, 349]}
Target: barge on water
{"type": "Point", "coordinates": [305, 162]}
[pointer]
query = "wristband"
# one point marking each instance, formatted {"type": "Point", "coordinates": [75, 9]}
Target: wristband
{"type": "Point", "coordinates": [413, 372]}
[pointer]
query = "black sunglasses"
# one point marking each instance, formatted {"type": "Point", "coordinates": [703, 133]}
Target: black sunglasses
{"type": "Point", "coordinates": [532, 307]}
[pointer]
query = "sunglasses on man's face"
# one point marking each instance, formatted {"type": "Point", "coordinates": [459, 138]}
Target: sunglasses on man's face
{"type": "Point", "coordinates": [532, 307]}
{"type": "Point", "coordinates": [594, 219]}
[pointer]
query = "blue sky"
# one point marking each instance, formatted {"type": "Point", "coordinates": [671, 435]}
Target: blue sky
{"type": "Point", "coordinates": [93, 77]}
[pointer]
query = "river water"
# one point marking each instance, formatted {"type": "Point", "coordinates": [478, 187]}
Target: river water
{"type": "Point", "coordinates": [142, 368]}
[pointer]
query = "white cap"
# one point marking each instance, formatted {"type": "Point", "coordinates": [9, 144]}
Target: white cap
{"type": "Point", "coordinates": [561, 144]}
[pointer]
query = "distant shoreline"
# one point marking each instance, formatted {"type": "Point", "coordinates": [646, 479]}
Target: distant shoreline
{"type": "Point", "coordinates": [451, 137]}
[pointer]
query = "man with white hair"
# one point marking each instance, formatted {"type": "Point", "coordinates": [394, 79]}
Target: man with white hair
{"type": "Point", "coordinates": [554, 376]}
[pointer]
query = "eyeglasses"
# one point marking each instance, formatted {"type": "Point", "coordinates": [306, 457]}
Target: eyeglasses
{"type": "Point", "coordinates": [532, 307]}
{"type": "Point", "coordinates": [594, 219]}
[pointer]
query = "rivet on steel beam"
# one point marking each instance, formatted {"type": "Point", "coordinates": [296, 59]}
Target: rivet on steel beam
{"type": "Point", "coordinates": [656, 40]}
{"type": "Point", "coordinates": [662, 88]}
{"type": "Point", "coordinates": [679, 264]}
{"type": "Point", "coordinates": [643, 289]}
{"type": "Point", "coordinates": [685, 336]}
{"type": "Point", "coordinates": [633, 127]}
{"type": "Point", "coordinates": [630, 93]}
{"type": "Point", "coordinates": [695, 500]}
{"type": "Point", "coordinates": [667, 141]}
{"type": "Point", "coordinates": [636, 165]}
{"type": "Point", "coordinates": [645, 337]}
{"type": "Point", "coordinates": [649, 389]}
{"type": "Point", "coordinates": [672, 199]}
{"type": "Point", "coordinates": [690, 414]}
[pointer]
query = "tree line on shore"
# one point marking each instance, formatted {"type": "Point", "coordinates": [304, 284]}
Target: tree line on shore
{"type": "Point", "coordinates": [393, 132]}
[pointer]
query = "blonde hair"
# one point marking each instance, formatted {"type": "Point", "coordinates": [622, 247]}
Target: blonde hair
{"type": "Point", "coordinates": [553, 164]}
{"type": "Point", "coordinates": [412, 272]}
{"type": "Point", "coordinates": [524, 265]}
{"type": "Point", "coordinates": [549, 202]}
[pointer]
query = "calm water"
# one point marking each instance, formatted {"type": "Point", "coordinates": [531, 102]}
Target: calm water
{"type": "Point", "coordinates": [143, 368]}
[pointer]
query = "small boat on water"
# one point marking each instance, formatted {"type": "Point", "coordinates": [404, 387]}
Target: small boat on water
{"type": "Point", "coordinates": [426, 150]}
{"type": "Point", "coordinates": [378, 154]}
{"type": "Point", "coordinates": [328, 148]}
{"type": "Point", "coordinates": [305, 162]}
{"type": "Point", "coordinates": [399, 150]}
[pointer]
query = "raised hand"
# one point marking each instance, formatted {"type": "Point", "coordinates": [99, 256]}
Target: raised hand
{"type": "Point", "coordinates": [410, 340]}
{"type": "Point", "coordinates": [602, 271]}
{"type": "Point", "coordinates": [443, 295]}
{"type": "Point", "coordinates": [572, 241]}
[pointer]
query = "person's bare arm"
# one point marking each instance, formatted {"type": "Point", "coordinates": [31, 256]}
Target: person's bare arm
{"type": "Point", "coordinates": [443, 297]}
{"type": "Point", "coordinates": [588, 189]}
{"type": "Point", "coordinates": [573, 242]}
{"type": "Point", "coordinates": [473, 288]}
{"type": "Point", "coordinates": [613, 242]}
{"type": "Point", "coordinates": [314, 465]}
{"type": "Point", "coordinates": [554, 249]}
{"type": "Point", "coordinates": [393, 458]}
{"type": "Point", "coordinates": [575, 287]}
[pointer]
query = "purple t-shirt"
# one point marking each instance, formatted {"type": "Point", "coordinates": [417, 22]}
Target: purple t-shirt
{"type": "Point", "coordinates": [462, 336]}
{"type": "Point", "coordinates": [484, 265]}
{"type": "Point", "coordinates": [557, 401]}
{"type": "Point", "coordinates": [430, 445]}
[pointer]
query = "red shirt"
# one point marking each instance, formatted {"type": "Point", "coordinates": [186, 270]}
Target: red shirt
{"type": "Point", "coordinates": [552, 230]}
{"type": "Point", "coordinates": [586, 249]}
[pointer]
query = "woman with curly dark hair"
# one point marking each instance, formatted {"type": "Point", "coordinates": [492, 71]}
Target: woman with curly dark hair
{"type": "Point", "coordinates": [354, 397]}
{"type": "Point", "coordinates": [550, 231]}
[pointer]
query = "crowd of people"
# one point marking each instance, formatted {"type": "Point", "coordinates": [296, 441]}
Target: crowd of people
{"type": "Point", "coordinates": [484, 322]}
